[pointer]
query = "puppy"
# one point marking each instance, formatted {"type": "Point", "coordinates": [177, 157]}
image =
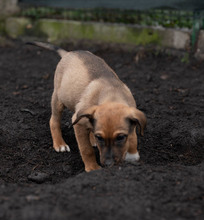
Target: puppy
{"type": "Point", "coordinates": [105, 112]}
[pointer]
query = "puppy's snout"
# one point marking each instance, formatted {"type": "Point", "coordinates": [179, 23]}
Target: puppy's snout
{"type": "Point", "coordinates": [109, 162]}
{"type": "Point", "coordinates": [108, 159]}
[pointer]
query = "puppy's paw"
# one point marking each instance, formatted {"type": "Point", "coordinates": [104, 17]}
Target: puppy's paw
{"type": "Point", "coordinates": [92, 168]}
{"type": "Point", "coordinates": [132, 158]}
{"type": "Point", "coordinates": [62, 148]}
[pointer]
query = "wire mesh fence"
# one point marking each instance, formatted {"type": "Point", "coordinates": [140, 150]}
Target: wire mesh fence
{"type": "Point", "coordinates": [153, 17]}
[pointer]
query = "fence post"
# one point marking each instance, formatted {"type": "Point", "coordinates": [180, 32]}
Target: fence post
{"type": "Point", "coordinates": [197, 24]}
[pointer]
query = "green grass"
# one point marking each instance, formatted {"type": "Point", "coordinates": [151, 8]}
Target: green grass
{"type": "Point", "coordinates": [165, 18]}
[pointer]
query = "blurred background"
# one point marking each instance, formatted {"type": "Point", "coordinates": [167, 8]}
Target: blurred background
{"type": "Point", "coordinates": [137, 15]}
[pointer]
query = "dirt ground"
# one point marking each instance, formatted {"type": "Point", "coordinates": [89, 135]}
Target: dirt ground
{"type": "Point", "coordinates": [38, 183]}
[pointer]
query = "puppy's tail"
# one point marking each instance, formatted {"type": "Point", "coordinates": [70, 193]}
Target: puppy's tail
{"type": "Point", "coordinates": [59, 50]}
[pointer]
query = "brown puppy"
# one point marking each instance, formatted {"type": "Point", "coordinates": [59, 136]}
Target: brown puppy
{"type": "Point", "coordinates": [105, 112]}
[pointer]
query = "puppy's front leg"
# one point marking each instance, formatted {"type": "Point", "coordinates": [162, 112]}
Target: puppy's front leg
{"type": "Point", "coordinates": [132, 154]}
{"type": "Point", "coordinates": [86, 150]}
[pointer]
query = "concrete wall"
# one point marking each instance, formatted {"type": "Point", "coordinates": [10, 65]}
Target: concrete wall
{"type": "Point", "coordinates": [54, 31]}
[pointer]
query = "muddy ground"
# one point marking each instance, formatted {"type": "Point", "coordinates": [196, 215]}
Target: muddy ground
{"type": "Point", "coordinates": [38, 183]}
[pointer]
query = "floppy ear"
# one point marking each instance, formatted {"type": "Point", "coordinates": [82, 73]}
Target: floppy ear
{"type": "Point", "coordinates": [139, 119]}
{"type": "Point", "coordinates": [86, 114]}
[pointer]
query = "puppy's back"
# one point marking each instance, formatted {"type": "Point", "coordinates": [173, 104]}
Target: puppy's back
{"type": "Point", "coordinates": [96, 66]}
{"type": "Point", "coordinates": [76, 71]}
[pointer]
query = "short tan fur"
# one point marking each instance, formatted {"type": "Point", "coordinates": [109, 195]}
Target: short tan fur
{"type": "Point", "coordinates": [105, 112]}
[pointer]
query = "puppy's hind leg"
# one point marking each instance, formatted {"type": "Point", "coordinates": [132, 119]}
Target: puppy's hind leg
{"type": "Point", "coordinates": [55, 125]}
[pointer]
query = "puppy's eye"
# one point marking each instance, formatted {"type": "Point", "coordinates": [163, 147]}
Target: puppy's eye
{"type": "Point", "coordinates": [121, 137]}
{"type": "Point", "coordinates": [99, 138]}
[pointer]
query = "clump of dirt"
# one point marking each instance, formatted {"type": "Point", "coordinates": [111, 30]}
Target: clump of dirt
{"type": "Point", "coordinates": [36, 182]}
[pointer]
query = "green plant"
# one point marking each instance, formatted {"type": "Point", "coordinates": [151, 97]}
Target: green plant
{"type": "Point", "coordinates": [165, 18]}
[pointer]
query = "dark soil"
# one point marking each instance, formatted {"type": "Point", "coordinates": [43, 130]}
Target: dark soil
{"type": "Point", "coordinates": [38, 183]}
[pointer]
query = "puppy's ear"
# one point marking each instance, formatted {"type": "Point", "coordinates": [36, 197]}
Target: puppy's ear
{"type": "Point", "coordinates": [138, 118]}
{"type": "Point", "coordinates": [86, 114]}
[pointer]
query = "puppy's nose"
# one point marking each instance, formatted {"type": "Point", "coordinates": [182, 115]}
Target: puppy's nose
{"type": "Point", "coordinates": [109, 162]}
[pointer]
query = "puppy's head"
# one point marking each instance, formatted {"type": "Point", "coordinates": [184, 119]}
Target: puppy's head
{"type": "Point", "coordinates": [111, 124]}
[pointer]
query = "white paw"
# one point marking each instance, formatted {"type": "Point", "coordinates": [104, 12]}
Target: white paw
{"type": "Point", "coordinates": [63, 148]}
{"type": "Point", "coordinates": [132, 157]}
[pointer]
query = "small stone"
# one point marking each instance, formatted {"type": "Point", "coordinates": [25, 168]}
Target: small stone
{"type": "Point", "coordinates": [31, 198]}
{"type": "Point", "coordinates": [164, 76]}
{"type": "Point", "coordinates": [149, 78]}
{"type": "Point", "coordinates": [38, 177]}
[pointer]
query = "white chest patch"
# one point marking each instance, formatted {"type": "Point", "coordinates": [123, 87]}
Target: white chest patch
{"type": "Point", "coordinates": [132, 157]}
